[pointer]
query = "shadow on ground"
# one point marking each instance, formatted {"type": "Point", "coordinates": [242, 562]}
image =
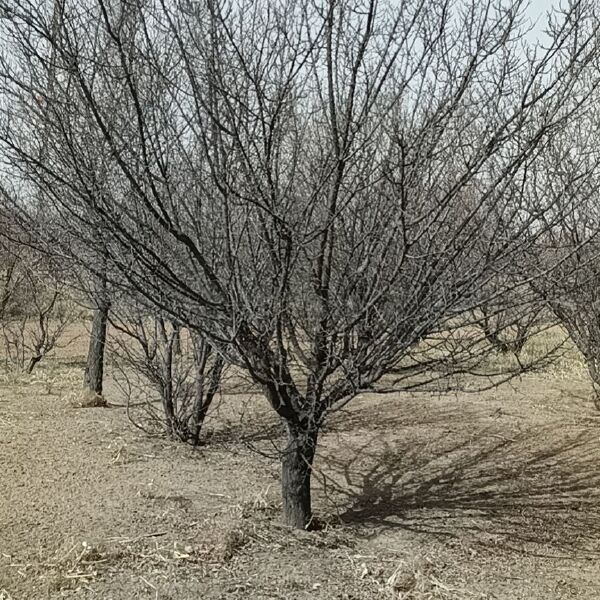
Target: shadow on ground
{"type": "Point", "coordinates": [540, 486]}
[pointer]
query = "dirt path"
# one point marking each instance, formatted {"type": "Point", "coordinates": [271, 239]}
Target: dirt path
{"type": "Point", "coordinates": [492, 495]}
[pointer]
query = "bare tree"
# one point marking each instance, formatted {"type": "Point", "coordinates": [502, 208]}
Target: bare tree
{"type": "Point", "coordinates": [571, 243]}
{"type": "Point", "coordinates": [301, 183]}
{"type": "Point", "coordinates": [181, 369]}
{"type": "Point", "coordinates": [573, 293]}
{"type": "Point", "coordinates": [88, 275]}
{"type": "Point", "coordinates": [82, 276]}
{"type": "Point", "coordinates": [511, 311]}
{"type": "Point", "coordinates": [573, 290]}
{"type": "Point", "coordinates": [35, 307]}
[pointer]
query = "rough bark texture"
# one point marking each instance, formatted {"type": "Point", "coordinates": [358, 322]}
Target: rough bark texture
{"type": "Point", "coordinates": [295, 480]}
{"type": "Point", "coordinates": [94, 370]}
{"type": "Point", "coordinates": [204, 397]}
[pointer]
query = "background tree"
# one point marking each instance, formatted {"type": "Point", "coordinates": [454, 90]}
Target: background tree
{"type": "Point", "coordinates": [36, 308]}
{"type": "Point", "coordinates": [571, 289]}
{"type": "Point", "coordinates": [157, 360]}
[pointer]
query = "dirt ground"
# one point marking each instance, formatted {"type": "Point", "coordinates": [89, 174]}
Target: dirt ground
{"type": "Point", "coordinates": [492, 495]}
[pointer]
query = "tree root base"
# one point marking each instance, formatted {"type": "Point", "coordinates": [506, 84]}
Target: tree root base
{"type": "Point", "coordinates": [88, 399]}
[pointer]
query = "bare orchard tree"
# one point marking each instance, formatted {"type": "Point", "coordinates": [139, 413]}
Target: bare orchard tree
{"type": "Point", "coordinates": [573, 293]}
{"type": "Point", "coordinates": [35, 307]}
{"type": "Point", "coordinates": [302, 183]}
{"type": "Point", "coordinates": [506, 329]}
{"type": "Point", "coordinates": [572, 288]}
{"type": "Point", "coordinates": [89, 278]}
{"type": "Point", "coordinates": [84, 274]}
{"type": "Point", "coordinates": [511, 311]}
{"type": "Point", "coordinates": [159, 361]}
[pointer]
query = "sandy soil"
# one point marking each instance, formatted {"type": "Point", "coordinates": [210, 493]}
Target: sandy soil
{"type": "Point", "coordinates": [445, 495]}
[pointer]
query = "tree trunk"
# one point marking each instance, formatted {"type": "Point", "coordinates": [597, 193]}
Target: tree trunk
{"type": "Point", "coordinates": [295, 481]}
{"type": "Point", "coordinates": [94, 370]}
{"type": "Point", "coordinates": [34, 360]}
{"type": "Point", "coordinates": [171, 426]}
{"type": "Point", "coordinates": [595, 376]}
{"type": "Point", "coordinates": [204, 397]}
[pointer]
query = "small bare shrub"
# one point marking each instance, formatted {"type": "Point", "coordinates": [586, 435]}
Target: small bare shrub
{"type": "Point", "coordinates": [35, 309]}
{"type": "Point", "coordinates": [171, 373]}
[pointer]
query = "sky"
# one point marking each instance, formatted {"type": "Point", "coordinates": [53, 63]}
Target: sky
{"type": "Point", "coordinates": [538, 7]}
{"type": "Point", "coordinates": [537, 11]}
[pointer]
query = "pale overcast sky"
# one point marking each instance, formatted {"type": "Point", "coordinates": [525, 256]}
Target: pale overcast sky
{"type": "Point", "coordinates": [537, 11]}
{"type": "Point", "coordinates": [539, 7]}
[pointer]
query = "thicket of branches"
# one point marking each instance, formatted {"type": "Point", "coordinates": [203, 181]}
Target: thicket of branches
{"type": "Point", "coordinates": [324, 193]}
{"type": "Point", "coordinates": [160, 361]}
{"type": "Point", "coordinates": [35, 307]}
{"type": "Point", "coordinates": [572, 289]}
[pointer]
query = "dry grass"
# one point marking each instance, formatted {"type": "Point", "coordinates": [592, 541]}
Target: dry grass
{"type": "Point", "coordinates": [552, 350]}
{"type": "Point", "coordinates": [418, 579]}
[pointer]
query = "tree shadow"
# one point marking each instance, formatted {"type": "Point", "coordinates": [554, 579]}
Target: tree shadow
{"type": "Point", "coordinates": [541, 486]}
{"type": "Point", "coordinates": [415, 412]}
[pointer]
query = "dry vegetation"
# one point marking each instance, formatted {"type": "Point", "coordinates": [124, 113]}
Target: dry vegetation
{"type": "Point", "coordinates": [430, 495]}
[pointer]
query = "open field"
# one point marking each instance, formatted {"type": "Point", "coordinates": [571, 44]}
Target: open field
{"type": "Point", "coordinates": [440, 495]}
